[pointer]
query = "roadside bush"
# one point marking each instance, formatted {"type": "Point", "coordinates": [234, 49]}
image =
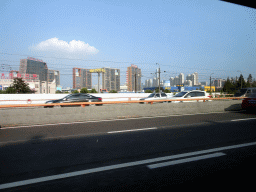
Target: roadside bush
{"type": "Point", "coordinates": [75, 91]}
{"type": "Point", "coordinates": [112, 91]}
{"type": "Point", "coordinates": [93, 91]}
{"type": "Point", "coordinates": [84, 90]}
{"type": "Point", "coordinates": [148, 91]}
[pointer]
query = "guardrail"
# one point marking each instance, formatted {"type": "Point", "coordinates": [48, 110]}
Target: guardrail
{"type": "Point", "coordinates": [83, 104]}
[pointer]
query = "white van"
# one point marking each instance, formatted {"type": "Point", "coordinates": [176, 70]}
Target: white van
{"type": "Point", "coordinates": [197, 94]}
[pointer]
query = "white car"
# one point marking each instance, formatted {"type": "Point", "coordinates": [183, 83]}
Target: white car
{"type": "Point", "coordinates": [155, 96]}
{"type": "Point", "coordinates": [196, 94]}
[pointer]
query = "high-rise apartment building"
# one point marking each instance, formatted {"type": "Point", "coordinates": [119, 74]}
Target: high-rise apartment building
{"type": "Point", "coordinates": [188, 83]}
{"type": "Point", "coordinates": [54, 75]}
{"type": "Point", "coordinates": [34, 66]}
{"type": "Point", "coordinates": [149, 83]}
{"type": "Point", "coordinates": [178, 80]}
{"type": "Point", "coordinates": [155, 82]}
{"type": "Point", "coordinates": [171, 81]}
{"type": "Point", "coordinates": [133, 74]}
{"type": "Point", "coordinates": [111, 79]}
{"type": "Point", "coordinates": [194, 78]}
{"type": "Point", "coordinates": [181, 78]}
{"type": "Point", "coordinates": [219, 83]}
{"type": "Point", "coordinates": [82, 78]}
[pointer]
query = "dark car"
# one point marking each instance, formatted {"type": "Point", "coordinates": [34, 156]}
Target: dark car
{"type": "Point", "coordinates": [78, 97]}
{"type": "Point", "coordinates": [244, 92]}
{"type": "Point", "coordinates": [249, 103]}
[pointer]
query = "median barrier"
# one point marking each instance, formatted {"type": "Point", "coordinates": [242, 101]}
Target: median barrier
{"type": "Point", "coordinates": [10, 99]}
{"type": "Point", "coordinates": [117, 102]}
{"type": "Point", "coordinates": [110, 110]}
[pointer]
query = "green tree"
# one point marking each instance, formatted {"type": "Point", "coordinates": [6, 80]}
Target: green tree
{"type": "Point", "coordinates": [84, 90]}
{"type": "Point", "coordinates": [113, 91]}
{"type": "Point", "coordinates": [249, 79]}
{"type": "Point", "coordinates": [93, 91]}
{"type": "Point", "coordinates": [20, 87]}
{"type": "Point", "coordinates": [247, 84]}
{"type": "Point", "coordinates": [253, 84]}
{"type": "Point", "coordinates": [58, 91]}
{"type": "Point", "coordinates": [238, 83]}
{"type": "Point", "coordinates": [2, 92]}
{"type": "Point", "coordinates": [148, 91]}
{"type": "Point", "coordinates": [229, 87]}
{"type": "Point", "coordinates": [10, 90]}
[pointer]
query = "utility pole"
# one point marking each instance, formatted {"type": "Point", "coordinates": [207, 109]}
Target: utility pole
{"type": "Point", "coordinates": [135, 82]}
{"type": "Point", "coordinates": [211, 83]}
{"type": "Point", "coordinates": [98, 82]}
{"type": "Point", "coordinates": [158, 78]}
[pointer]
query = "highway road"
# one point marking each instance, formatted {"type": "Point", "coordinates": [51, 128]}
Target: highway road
{"type": "Point", "coordinates": [201, 151]}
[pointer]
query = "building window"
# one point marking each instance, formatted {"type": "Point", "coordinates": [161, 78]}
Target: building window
{"type": "Point", "coordinates": [36, 85]}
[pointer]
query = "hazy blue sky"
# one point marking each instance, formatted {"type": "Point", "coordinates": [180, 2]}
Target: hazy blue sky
{"type": "Point", "coordinates": [204, 36]}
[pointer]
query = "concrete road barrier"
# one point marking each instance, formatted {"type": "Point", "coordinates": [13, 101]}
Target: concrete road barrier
{"type": "Point", "coordinates": [34, 116]}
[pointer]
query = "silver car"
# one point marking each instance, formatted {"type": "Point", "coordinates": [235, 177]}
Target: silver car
{"type": "Point", "coordinates": [155, 96]}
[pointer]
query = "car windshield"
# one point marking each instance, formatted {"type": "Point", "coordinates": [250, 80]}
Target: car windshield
{"type": "Point", "coordinates": [240, 92]}
{"type": "Point", "coordinates": [67, 96]}
{"type": "Point", "coordinates": [252, 95]}
{"type": "Point", "coordinates": [181, 94]}
{"type": "Point", "coordinates": [152, 95]}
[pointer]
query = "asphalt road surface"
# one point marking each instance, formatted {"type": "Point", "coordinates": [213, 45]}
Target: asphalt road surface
{"type": "Point", "coordinates": [200, 151]}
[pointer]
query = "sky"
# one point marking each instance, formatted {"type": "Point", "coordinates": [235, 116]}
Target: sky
{"type": "Point", "coordinates": [210, 37]}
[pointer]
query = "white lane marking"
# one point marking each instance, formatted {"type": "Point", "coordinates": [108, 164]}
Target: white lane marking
{"type": "Point", "coordinates": [131, 130]}
{"type": "Point", "coordinates": [197, 158]}
{"type": "Point", "coordinates": [76, 173]}
{"type": "Point", "coordinates": [242, 119]}
{"type": "Point", "coordinates": [29, 126]}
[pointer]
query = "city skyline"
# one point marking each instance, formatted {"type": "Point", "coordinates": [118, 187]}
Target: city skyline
{"type": "Point", "coordinates": [186, 78]}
